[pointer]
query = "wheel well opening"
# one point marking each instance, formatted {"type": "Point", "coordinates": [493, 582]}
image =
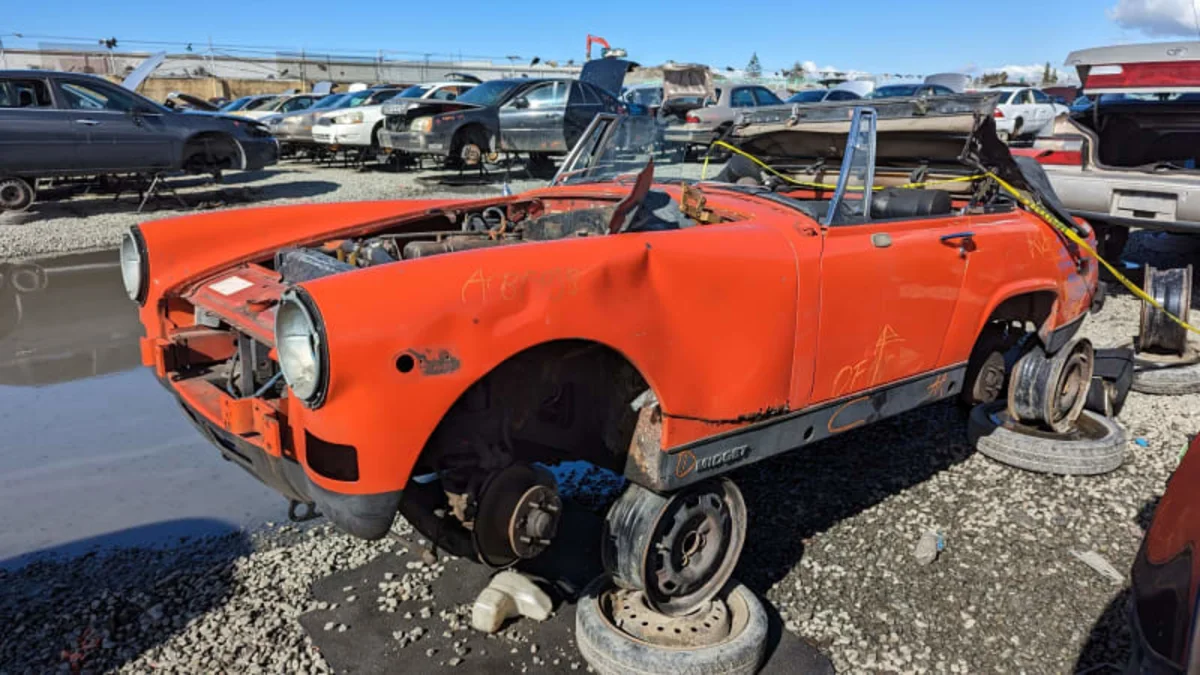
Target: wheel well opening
{"type": "Point", "coordinates": [1028, 308]}
{"type": "Point", "coordinates": [558, 401]}
{"type": "Point", "coordinates": [213, 149]}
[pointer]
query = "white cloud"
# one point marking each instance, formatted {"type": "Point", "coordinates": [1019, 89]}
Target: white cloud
{"type": "Point", "coordinates": [1158, 17]}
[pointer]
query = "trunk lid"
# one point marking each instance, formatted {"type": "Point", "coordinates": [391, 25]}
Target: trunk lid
{"type": "Point", "coordinates": [608, 74]}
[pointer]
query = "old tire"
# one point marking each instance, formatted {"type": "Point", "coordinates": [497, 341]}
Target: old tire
{"type": "Point", "coordinates": [1163, 381]}
{"type": "Point", "coordinates": [611, 651]}
{"type": "Point", "coordinates": [16, 194]}
{"type": "Point", "coordinates": [1096, 446]}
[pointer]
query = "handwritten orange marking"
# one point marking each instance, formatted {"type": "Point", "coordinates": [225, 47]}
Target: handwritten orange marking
{"type": "Point", "coordinates": [845, 427]}
{"type": "Point", "coordinates": [685, 463]}
{"type": "Point", "coordinates": [849, 378]}
{"type": "Point", "coordinates": [937, 388]}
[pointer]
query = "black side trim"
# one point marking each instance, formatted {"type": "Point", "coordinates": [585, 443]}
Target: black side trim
{"type": "Point", "coordinates": [678, 467]}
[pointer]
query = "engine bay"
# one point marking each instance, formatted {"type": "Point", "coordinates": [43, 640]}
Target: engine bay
{"type": "Point", "coordinates": [441, 231]}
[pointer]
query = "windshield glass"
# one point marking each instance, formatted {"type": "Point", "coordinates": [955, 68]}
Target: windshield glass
{"type": "Point", "coordinates": [488, 93]}
{"type": "Point", "coordinates": [895, 90]}
{"type": "Point", "coordinates": [810, 96]}
{"type": "Point", "coordinates": [330, 101]}
{"type": "Point", "coordinates": [647, 96]}
{"type": "Point", "coordinates": [261, 103]}
{"type": "Point", "coordinates": [616, 148]}
{"type": "Point", "coordinates": [235, 104]}
{"type": "Point", "coordinates": [415, 91]}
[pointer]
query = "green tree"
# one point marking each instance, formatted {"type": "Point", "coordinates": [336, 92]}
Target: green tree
{"type": "Point", "coordinates": [754, 68]}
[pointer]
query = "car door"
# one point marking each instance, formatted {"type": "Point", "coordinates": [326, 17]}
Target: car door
{"type": "Point", "coordinates": [120, 131]}
{"type": "Point", "coordinates": [35, 135]}
{"type": "Point", "coordinates": [1021, 106]}
{"type": "Point", "coordinates": [889, 286]}
{"type": "Point", "coordinates": [583, 104]}
{"type": "Point", "coordinates": [533, 120]}
{"type": "Point", "coordinates": [1043, 107]}
{"type": "Point", "coordinates": [741, 97]}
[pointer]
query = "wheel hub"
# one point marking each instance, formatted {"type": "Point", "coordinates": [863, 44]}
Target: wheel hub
{"type": "Point", "coordinates": [516, 516]}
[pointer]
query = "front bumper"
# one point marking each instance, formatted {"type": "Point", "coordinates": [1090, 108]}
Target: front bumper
{"type": "Point", "coordinates": [689, 135]}
{"type": "Point", "coordinates": [343, 134]}
{"type": "Point", "coordinates": [293, 134]}
{"type": "Point", "coordinates": [368, 516]}
{"type": "Point", "coordinates": [259, 153]}
{"type": "Point", "coordinates": [1130, 198]}
{"type": "Point", "coordinates": [415, 142]}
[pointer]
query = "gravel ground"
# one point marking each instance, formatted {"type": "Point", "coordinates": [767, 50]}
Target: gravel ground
{"type": "Point", "coordinates": [832, 537]}
{"type": "Point", "coordinates": [93, 222]}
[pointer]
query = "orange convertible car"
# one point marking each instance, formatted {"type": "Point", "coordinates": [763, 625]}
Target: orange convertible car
{"type": "Point", "coordinates": [431, 357]}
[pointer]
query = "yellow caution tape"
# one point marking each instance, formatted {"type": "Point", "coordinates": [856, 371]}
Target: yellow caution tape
{"type": "Point", "coordinates": [1024, 200]}
{"type": "Point", "coordinates": [821, 186]}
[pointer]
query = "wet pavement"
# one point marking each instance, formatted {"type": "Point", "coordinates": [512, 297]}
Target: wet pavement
{"type": "Point", "coordinates": [93, 451]}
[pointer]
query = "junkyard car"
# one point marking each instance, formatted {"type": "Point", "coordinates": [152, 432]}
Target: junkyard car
{"type": "Point", "coordinates": [1164, 600]}
{"type": "Point", "coordinates": [425, 356]}
{"type": "Point", "coordinates": [538, 117]}
{"type": "Point", "coordinates": [1130, 159]}
{"type": "Point", "coordinates": [67, 124]}
{"type": "Point", "coordinates": [1025, 111]}
{"type": "Point", "coordinates": [359, 127]}
{"type": "Point", "coordinates": [296, 128]}
{"type": "Point", "coordinates": [919, 90]}
{"type": "Point", "coordinates": [283, 104]}
{"type": "Point", "coordinates": [246, 104]}
{"type": "Point", "coordinates": [819, 95]}
{"type": "Point", "coordinates": [709, 122]}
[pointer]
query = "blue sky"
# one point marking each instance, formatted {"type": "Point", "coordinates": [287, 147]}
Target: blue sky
{"type": "Point", "coordinates": [918, 36]}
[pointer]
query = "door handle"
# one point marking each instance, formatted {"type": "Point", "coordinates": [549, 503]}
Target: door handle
{"type": "Point", "coordinates": [90, 123]}
{"type": "Point", "coordinates": [966, 242]}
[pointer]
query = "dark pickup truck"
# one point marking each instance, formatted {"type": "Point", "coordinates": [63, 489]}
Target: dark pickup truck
{"type": "Point", "coordinates": [67, 124]}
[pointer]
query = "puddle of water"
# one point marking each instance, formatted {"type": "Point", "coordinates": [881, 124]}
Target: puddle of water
{"type": "Point", "coordinates": [94, 452]}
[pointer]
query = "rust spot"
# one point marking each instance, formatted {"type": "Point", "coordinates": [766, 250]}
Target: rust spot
{"type": "Point", "coordinates": [746, 418]}
{"type": "Point", "coordinates": [645, 448]}
{"type": "Point", "coordinates": [435, 361]}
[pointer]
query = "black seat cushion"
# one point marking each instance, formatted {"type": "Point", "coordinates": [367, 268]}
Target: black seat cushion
{"type": "Point", "coordinates": [910, 203]}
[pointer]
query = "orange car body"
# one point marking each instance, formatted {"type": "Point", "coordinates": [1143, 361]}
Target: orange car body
{"type": "Point", "coordinates": [762, 333]}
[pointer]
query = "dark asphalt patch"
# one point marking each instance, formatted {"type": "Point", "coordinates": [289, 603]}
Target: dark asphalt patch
{"type": "Point", "coordinates": [367, 644]}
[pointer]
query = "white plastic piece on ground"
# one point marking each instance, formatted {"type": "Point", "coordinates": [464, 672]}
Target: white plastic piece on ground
{"type": "Point", "coordinates": [928, 547]}
{"type": "Point", "coordinates": [509, 594]}
{"type": "Point", "coordinates": [1100, 564]}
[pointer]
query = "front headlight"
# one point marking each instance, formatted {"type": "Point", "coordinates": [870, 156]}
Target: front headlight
{"type": "Point", "coordinates": [300, 346]}
{"type": "Point", "coordinates": [349, 118]}
{"type": "Point", "coordinates": [421, 124]}
{"type": "Point", "coordinates": [133, 265]}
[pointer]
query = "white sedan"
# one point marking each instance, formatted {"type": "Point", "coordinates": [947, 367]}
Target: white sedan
{"type": "Point", "coordinates": [1025, 111]}
{"type": "Point", "coordinates": [359, 127]}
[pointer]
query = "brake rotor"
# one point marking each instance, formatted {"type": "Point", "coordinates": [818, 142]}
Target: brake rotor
{"type": "Point", "coordinates": [471, 154]}
{"type": "Point", "coordinates": [1172, 289]}
{"type": "Point", "coordinates": [516, 516]}
{"type": "Point", "coordinates": [707, 625]}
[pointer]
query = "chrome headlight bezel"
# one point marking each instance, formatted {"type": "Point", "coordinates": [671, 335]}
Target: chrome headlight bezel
{"type": "Point", "coordinates": [301, 347]}
{"type": "Point", "coordinates": [135, 269]}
